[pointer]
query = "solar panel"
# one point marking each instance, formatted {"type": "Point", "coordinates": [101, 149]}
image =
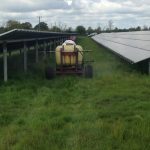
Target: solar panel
{"type": "Point", "coordinates": [16, 37]}
{"type": "Point", "coordinates": [28, 34]}
{"type": "Point", "coordinates": [19, 39]}
{"type": "Point", "coordinates": [133, 46]}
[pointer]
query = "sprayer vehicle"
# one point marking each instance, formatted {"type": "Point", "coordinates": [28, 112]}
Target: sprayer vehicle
{"type": "Point", "coordinates": [70, 60]}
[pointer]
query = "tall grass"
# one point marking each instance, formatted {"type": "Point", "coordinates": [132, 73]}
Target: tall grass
{"type": "Point", "coordinates": [110, 111]}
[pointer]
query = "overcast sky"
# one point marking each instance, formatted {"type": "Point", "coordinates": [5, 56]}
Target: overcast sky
{"type": "Point", "coordinates": [124, 13]}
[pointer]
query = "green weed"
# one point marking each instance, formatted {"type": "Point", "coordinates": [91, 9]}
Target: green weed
{"type": "Point", "coordinates": [109, 112]}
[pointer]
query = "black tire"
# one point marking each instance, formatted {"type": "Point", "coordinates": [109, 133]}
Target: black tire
{"type": "Point", "coordinates": [50, 73]}
{"type": "Point", "coordinates": [88, 71]}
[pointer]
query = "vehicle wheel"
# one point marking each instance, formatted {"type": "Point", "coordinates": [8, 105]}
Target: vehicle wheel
{"type": "Point", "coordinates": [50, 73]}
{"type": "Point", "coordinates": [88, 71]}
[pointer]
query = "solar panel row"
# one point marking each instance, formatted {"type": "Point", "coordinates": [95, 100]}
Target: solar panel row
{"type": "Point", "coordinates": [133, 46]}
{"type": "Point", "coordinates": [16, 38]}
{"type": "Point", "coordinates": [29, 34]}
{"type": "Point", "coordinates": [23, 40]}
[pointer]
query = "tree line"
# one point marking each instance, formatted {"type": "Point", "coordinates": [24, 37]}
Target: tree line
{"type": "Point", "coordinates": [42, 26]}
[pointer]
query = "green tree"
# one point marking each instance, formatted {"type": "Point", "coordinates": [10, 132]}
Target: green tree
{"type": "Point", "coordinates": [138, 28]}
{"type": "Point", "coordinates": [13, 24]}
{"type": "Point", "coordinates": [42, 26]}
{"type": "Point", "coordinates": [26, 25]}
{"type": "Point", "coordinates": [81, 30]}
{"type": "Point", "coordinates": [90, 30]}
{"type": "Point", "coordinates": [55, 29]}
{"type": "Point", "coordinates": [2, 30]}
{"type": "Point", "coordinates": [116, 29]}
{"type": "Point", "coordinates": [69, 30]}
{"type": "Point", "coordinates": [98, 30]}
{"type": "Point", "coordinates": [145, 28]}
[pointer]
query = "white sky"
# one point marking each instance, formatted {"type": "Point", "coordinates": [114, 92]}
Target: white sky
{"type": "Point", "coordinates": [124, 13]}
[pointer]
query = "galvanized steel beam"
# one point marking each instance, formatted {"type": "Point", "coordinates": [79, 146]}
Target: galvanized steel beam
{"type": "Point", "coordinates": [25, 57]}
{"type": "Point", "coordinates": [5, 62]}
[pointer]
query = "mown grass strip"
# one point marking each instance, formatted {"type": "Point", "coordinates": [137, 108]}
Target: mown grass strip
{"type": "Point", "coordinates": [111, 111]}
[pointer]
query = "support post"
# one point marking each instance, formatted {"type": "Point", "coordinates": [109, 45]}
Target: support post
{"type": "Point", "coordinates": [50, 46]}
{"type": "Point", "coordinates": [5, 62]}
{"type": "Point", "coordinates": [9, 53]}
{"type": "Point", "coordinates": [54, 44]}
{"type": "Point", "coordinates": [149, 66]}
{"type": "Point", "coordinates": [44, 49]}
{"type": "Point", "coordinates": [25, 58]}
{"type": "Point", "coordinates": [37, 52]}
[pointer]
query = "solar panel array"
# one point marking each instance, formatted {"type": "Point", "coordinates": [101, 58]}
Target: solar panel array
{"type": "Point", "coordinates": [15, 38]}
{"type": "Point", "coordinates": [133, 46]}
{"type": "Point", "coordinates": [29, 34]}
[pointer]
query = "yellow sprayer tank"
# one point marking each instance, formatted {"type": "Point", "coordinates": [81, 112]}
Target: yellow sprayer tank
{"type": "Point", "coordinates": [69, 46]}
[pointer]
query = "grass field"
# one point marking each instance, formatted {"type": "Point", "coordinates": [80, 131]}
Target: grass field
{"type": "Point", "coordinates": [109, 112]}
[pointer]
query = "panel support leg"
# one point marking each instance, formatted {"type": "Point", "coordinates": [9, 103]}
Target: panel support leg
{"type": "Point", "coordinates": [5, 62]}
{"type": "Point", "coordinates": [45, 50]}
{"type": "Point", "coordinates": [50, 46]}
{"type": "Point", "coordinates": [149, 66]}
{"type": "Point", "coordinates": [37, 52]}
{"type": "Point", "coordinates": [54, 44]}
{"type": "Point", "coordinates": [25, 58]}
{"type": "Point", "coordinates": [9, 53]}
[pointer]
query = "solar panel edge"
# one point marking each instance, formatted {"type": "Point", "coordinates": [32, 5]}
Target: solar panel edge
{"type": "Point", "coordinates": [124, 57]}
{"type": "Point", "coordinates": [130, 61]}
{"type": "Point", "coordinates": [3, 35]}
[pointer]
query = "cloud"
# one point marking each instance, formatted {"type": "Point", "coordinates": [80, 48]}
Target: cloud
{"type": "Point", "coordinates": [75, 12]}
{"type": "Point", "coordinates": [69, 2]}
{"type": "Point", "coordinates": [32, 5]}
